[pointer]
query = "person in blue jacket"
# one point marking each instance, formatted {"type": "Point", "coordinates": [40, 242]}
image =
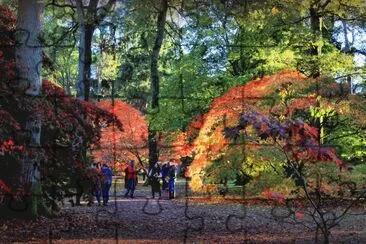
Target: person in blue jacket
{"type": "Point", "coordinates": [107, 183]}
{"type": "Point", "coordinates": [171, 181]}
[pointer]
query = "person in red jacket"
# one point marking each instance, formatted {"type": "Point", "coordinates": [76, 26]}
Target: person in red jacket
{"type": "Point", "coordinates": [131, 173]}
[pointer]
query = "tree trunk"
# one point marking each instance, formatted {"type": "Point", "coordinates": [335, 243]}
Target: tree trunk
{"type": "Point", "coordinates": [346, 50]}
{"type": "Point", "coordinates": [87, 24]}
{"type": "Point", "coordinates": [152, 138]}
{"type": "Point", "coordinates": [87, 55]}
{"type": "Point", "coordinates": [316, 26]}
{"type": "Point", "coordinates": [153, 147]}
{"type": "Point", "coordinates": [29, 66]}
{"type": "Point", "coordinates": [80, 83]}
{"type": "Point", "coordinates": [326, 234]}
{"type": "Point", "coordinates": [86, 29]}
{"type": "Point", "coordinates": [80, 90]}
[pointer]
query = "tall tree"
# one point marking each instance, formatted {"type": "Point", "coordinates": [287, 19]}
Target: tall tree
{"type": "Point", "coordinates": [346, 50]}
{"type": "Point", "coordinates": [152, 136]}
{"type": "Point", "coordinates": [29, 65]}
{"type": "Point", "coordinates": [88, 20]}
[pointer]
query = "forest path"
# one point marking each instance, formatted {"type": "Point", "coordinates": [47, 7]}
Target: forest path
{"type": "Point", "coordinates": [146, 220]}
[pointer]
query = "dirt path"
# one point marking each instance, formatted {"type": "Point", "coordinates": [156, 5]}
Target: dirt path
{"type": "Point", "coordinates": [146, 220]}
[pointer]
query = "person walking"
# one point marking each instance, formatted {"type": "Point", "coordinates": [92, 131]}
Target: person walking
{"type": "Point", "coordinates": [131, 178]}
{"type": "Point", "coordinates": [98, 183]}
{"type": "Point", "coordinates": [126, 177]}
{"type": "Point", "coordinates": [164, 173]}
{"type": "Point", "coordinates": [106, 184]}
{"type": "Point", "coordinates": [171, 181]}
{"type": "Point", "coordinates": [95, 187]}
{"type": "Point", "coordinates": [154, 176]}
{"type": "Point", "coordinates": [90, 183]}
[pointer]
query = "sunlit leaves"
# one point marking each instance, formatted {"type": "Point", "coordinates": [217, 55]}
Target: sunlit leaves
{"type": "Point", "coordinates": [108, 66]}
{"type": "Point", "coordinates": [210, 143]}
{"type": "Point", "coordinates": [120, 146]}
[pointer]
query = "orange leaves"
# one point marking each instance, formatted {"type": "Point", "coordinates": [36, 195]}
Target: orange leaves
{"type": "Point", "coordinates": [254, 91]}
{"type": "Point", "coordinates": [260, 98]}
{"type": "Point", "coordinates": [63, 120]}
{"type": "Point", "coordinates": [181, 145]}
{"type": "Point", "coordinates": [134, 124]}
{"type": "Point", "coordinates": [210, 141]}
{"type": "Point", "coordinates": [130, 143]}
{"type": "Point", "coordinates": [301, 104]}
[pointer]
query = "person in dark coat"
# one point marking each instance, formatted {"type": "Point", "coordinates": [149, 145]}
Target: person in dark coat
{"type": "Point", "coordinates": [98, 183]}
{"type": "Point", "coordinates": [164, 173]}
{"type": "Point", "coordinates": [95, 184]}
{"type": "Point", "coordinates": [107, 183]}
{"type": "Point", "coordinates": [154, 176]}
{"type": "Point", "coordinates": [126, 178]}
{"type": "Point", "coordinates": [171, 181]}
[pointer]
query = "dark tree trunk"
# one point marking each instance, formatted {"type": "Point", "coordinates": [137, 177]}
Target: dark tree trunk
{"type": "Point", "coordinates": [86, 27]}
{"type": "Point", "coordinates": [153, 147]}
{"type": "Point", "coordinates": [152, 138]}
{"type": "Point", "coordinates": [316, 26]}
{"type": "Point", "coordinates": [87, 23]}
{"type": "Point", "coordinates": [316, 50]}
{"type": "Point", "coordinates": [89, 30]}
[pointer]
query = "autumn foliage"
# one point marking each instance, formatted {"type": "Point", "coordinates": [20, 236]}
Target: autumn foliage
{"type": "Point", "coordinates": [117, 147]}
{"type": "Point", "coordinates": [210, 142]}
{"type": "Point", "coordinates": [269, 105]}
{"type": "Point", "coordinates": [64, 121]}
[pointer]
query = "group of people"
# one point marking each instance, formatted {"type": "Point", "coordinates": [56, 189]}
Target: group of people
{"type": "Point", "coordinates": [101, 185]}
{"type": "Point", "coordinates": [102, 174]}
{"type": "Point", "coordinates": [165, 173]}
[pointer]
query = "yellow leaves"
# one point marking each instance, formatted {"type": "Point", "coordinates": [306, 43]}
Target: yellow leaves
{"type": "Point", "coordinates": [275, 10]}
{"type": "Point", "coordinates": [344, 108]}
{"type": "Point", "coordinates": [210, 188]}
{"type": "Point", "coordinates": [108, 67]}
{"type": "Point", "coordinates": [285, 94]}
{"type": "Point", "coordinates": [196, 183]}
{"type": "Point", "coordinates": [278, 59]}
{"type": "Point", "coordinates": [259, 18]}
{"type": "Point", "coordinates": [335, 62]}
{"type": "Point", "coordinates": [252, 166]}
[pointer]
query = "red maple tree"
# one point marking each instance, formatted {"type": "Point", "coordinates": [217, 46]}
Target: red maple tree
{"type": "Point", "coordinates": [118, 147]}
{"type": "Point", "coordinates": [69, 126]}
